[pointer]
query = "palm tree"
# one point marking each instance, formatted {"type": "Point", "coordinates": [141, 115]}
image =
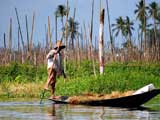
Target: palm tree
{"type": "Point", "coordinates": [125, 26]}
{"type": "Point", "coordinates": [73, 30]}
{"type": "Point", "coordinates": [128, 30]}
{"type": "Point", "coordinates": [119, 27]}
{"type": "Point", "coordinates": [142, 16]}
{"type": "Point", "coordinates": [153, 13]}
{"type": "Point", "coordinates": [61, 11]}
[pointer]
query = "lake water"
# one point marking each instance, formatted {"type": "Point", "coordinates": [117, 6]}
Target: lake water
{"type": "Point", "coordinates": [32, 110]}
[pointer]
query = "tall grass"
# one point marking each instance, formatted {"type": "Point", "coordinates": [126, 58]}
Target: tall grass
{"type": "Point", "coordinates": [25, 80]}
{"type": "Point", "coordinates": [22, 73]}
{"type": "Point", "coordinates": [117, 77]}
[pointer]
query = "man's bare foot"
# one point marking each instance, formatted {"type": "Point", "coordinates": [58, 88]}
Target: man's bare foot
{"type": "Point", "coordinates": [55, 97]}
{"type": "Point", "coordinates": [46, 87]}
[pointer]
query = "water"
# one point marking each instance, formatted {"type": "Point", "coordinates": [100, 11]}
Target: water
{"type": "Point", "coordinates": [32, 110]}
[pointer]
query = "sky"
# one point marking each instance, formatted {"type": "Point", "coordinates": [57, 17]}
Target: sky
{"type": "Point", "coordinates": [45, 8]}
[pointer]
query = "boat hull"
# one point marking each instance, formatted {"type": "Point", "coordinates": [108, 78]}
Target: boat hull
{"type": "Point", "coordinates": [132, 101]}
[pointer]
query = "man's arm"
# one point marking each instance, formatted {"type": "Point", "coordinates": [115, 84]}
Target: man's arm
{"type": "Point", "coordinates": [51, 53]}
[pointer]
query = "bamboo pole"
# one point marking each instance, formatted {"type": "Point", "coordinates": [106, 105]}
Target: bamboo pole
{"type": "Point", "coordinates": [89, 43]}
{"type": "Point", "coordinates": [27, 33]}
{"type": "Point", "coordinates": [56, 27]}
{"type": "Point", "coordinates": [49, 33]}
{"type": "Point", "coordinates": [46, 36]}
{"type": "Point", "coordinates": [10, 40]}
{"type": "Point", "coordinates": [78, 50]}
{"type": "Point", "coordinates": [10, 36]}
{"type": "Point", "coordinates": [66, 38]}
{"type": "Point", "coordinates": [109, 26]}
{"type": "Point", "coordinates": [4, 40]}
{"type": "Point", "coordinates": [74, 14]}
{"type": "Point", "coordinates": [31, 37]}
{"type": "Point", "coordinates": [4, 37]}
{"type": "Point", "coordinates": [95, 44]}
{"type": "Point", "coordinates": [82, 38]}
{"type": "Point", "coordinates": [101, 42]}
{"type": "Point", "coordinates": [18, 42]}
{"type": "Point", "coordinates": [85, 40]}
{"type": "Point", "coordinates": [19, 28]}
{"type": "Point", "coordinates": [91, 46]}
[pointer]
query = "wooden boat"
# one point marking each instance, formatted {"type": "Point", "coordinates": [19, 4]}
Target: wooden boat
{"type": "Point", "coordinates": [131, 101]}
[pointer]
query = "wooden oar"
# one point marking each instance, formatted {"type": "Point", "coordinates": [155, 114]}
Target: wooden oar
{"type": "Point", "coordinates": [42, 96]}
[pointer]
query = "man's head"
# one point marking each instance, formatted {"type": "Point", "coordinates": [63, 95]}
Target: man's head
{"type": "Point", "coordinates": [59, 45]}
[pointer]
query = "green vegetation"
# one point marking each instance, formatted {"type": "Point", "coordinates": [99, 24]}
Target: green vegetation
{"type": "Point", "coordinates": [24, 80]}
{"type": "Point", "coordinates": [117, 77]}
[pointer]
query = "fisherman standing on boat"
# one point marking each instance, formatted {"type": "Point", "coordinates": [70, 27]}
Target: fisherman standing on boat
{"type": "Point", "coordinates": [54, 67]}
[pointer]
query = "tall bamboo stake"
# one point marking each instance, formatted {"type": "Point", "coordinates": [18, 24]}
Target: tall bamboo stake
{"type": "Point", "coordinates": [4, 40]}
{"type": "Point", "coordinates": [56, 27]}
{"type": "Point", "coordinates": [19, 28]}
{"type": "Point", "coordinates": [49, 33]}
{"type": "Point", "coordinates": [89, 43]}
{"type": "Point", "coordinates": [31, 36]}
{"type": "Point", "coordinates": [10, 36]}
{"type": "Point", "coordinates": [91, 46]}
{"type": "Point", "coordinates": [109, 25]}
{"type": "Point", "coordinates": [74, 14]}
{"type": "Point", "coordinates": [27, 33]}
{"type": "Point", "coordinates": [18, 41]}
{"type": "Point", "coordinates": [4, 37]}
{"type": "Point", "coordinates": [85, 40]}
{"type": "Point", "coordinates": [66, 38]}
{"type": "Point", "coordinates": [78, 50]}
{"type": "Point", "coordinates": [46, 38]}
{"type": "Point", "coordinates": [95, 44]}
{"type": "Point", "coordinates": [81, 38]}
{"type": "Point", "coordinates": [10, 39]}
{"type": "Point", "coordinates": [101, 42]}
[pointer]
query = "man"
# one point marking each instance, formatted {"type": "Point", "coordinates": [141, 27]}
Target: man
{"type": "Point", "coordinates": [54, 67]}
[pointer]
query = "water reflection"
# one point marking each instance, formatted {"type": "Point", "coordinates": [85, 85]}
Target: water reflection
{"type": "Point", "coordinates": [52, 111]}
{"type": "Point", "coordinates": [48, 111]}
{"type": "Point", "coordinates": [55, 111]}
{"type": "Point", "coordinates": [74, 112]}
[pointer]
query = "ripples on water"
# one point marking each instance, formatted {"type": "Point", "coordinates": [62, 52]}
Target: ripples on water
{"type": "Point", "coordinates": [22, 110]}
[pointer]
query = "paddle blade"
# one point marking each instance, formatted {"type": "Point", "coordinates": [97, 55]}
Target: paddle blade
{"type": "Point", "coordinates": [42, 96]}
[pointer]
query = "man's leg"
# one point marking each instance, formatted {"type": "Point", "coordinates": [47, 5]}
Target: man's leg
{"type": "Point", "coordinates": [50, 78]}
{"type": "Point", "coordinates": [53, 84]}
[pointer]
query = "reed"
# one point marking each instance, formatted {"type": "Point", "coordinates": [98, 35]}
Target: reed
{"type": "Point", "coordinates": [21, 90]}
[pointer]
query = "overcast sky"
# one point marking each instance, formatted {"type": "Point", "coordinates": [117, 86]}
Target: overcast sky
{"type": "Point", "coordinates": [45, 8]}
